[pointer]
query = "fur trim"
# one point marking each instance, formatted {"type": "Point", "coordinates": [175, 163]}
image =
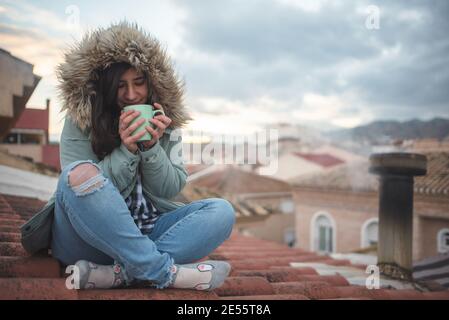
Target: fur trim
{"type": "Point", "coordinates": [122, 42]}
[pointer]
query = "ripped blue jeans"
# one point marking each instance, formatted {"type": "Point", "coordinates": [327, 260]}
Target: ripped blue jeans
{"type": "Point", "coordinates": [92, 222]}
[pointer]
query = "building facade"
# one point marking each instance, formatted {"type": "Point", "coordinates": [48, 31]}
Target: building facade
{"type": "Point", "coordinates": [29, 138]}
{"type": "Point", "coordinates": [337, 212]}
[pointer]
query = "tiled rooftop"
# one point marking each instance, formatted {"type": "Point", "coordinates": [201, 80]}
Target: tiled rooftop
{"type": "Point", "coordinates": [322, 159]}
{"type": "Point", "coordinates": [194, 168]}
{"type": "Point", "coordinates": [32, 118]}
{"type": "Point", "coordinates": [356, 176]}
{"type": "Point", "coordinates": [260, 270]}
{"type": "Point", "coordinates": [242, 208]}
{"type": "Point", "coordinates": [230, 179]}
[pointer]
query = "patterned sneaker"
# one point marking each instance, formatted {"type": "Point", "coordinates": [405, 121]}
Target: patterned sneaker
{"type": "Point", "coordinates": [95, 276]}
{"type": "Point", "coordinates": [205, 275]}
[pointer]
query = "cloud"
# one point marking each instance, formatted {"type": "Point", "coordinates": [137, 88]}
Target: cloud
{"type": "Point", "coordinates": [31, 16]}
{"type": "Point", "coordinates": [33, 46]}
{"type": "Point", "coordinates": [38, 37]}
{"type": "Point", "coordinates": [288, 49]}
{"type": "Point", "coordinates": [258, 61]}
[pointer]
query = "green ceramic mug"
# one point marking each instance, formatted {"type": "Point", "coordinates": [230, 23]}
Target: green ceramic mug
{"type": "Point", "coordinates": [147, 112]}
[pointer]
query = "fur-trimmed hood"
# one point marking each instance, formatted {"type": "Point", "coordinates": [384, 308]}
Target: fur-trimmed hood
{"type": "Point", "coordinates": [122, 42]}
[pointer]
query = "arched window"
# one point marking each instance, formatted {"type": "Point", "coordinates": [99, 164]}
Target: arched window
{"type": "Point", "coordinates": [370, 233]}
{"type": "Point", "coordinates": [443, 240]}
{"type": "Point", "coordinates": [323, 233]}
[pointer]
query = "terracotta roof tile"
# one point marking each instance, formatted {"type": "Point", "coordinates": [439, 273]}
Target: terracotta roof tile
{"type": "Point", "coordinates": [358, 292]}
{"type": "Point", "coordinates": [404, 295]}
{"type": "Point", "coordinates": [236, 181]}
{"type": "Point", "coordinates": [11, 249]}
{"type": "Point", "coordinates": [146, 294]}
{"type": "Point", "coordinates": [321, 159]}
{"type": "Point", "coordinates": [310, 289]}
{"type": "Point", "coordinates": [242, 208]}
{"type": "Point", "coordinates": [273, 275]}
{"type": "Point", "coordinates": [35, 288]}
{"type": "Point", "coordinates": [193, 168]}
{"type": "Point", "coordinates": [25, 207]}
{"type": "Point", "coordinates": [11, 222]}
{"type": "Point", "coordinates": [8, 215]}
{"type": "Point", "coordinates": [440, 295]}
{"type": "Point", "coordinates": [9, 237]}
{"type": "Point", "coordinates": [244, 286]}
{"type": "Point", "coordinates": [261, 270]}
{"type": "Point", "coordinates": [33, 119]}
{"type": "Point", "coordinates": [356, 176]}
{"type": "Point", "coordinates": [268, 297]}
{"type": "Point", "coordinates": [29, 267]}
{"type": "Point", "coordinates": [8, 229]}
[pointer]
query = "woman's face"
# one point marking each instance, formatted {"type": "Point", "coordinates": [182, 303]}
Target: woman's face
{"type": "Point", "coordinates": [132, 88]}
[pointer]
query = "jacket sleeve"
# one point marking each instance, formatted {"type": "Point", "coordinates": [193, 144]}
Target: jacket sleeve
{"type": "Point", "coordinates": [163, 172]}
{"type": "Point", "coordinates": [119, 167]}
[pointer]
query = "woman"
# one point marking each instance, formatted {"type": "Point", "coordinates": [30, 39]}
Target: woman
{"type": "Point", "coordinates": [111, 215]}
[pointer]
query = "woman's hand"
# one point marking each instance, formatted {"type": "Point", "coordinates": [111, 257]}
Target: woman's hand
{"type": "Point", "coordinates": [125, 129]}
{"type": "Point", "coordinates": [161, 122]}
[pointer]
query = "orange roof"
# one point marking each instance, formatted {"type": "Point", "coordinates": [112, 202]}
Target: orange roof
{"type": "Point", "coordinates": [242, 208]}
{"type": "Point", "coordinates": [194, 168]}
{"type": "Point", "coordinates": [356, 176]}
{"type": "Point", "coordinates": [33, 119]}
{"type": "Point", "coordinates": [232, 180]}
{"type": "Point", "coordinates": [260, 270]}
{"type": "Point", "coordinates": [321, 159]}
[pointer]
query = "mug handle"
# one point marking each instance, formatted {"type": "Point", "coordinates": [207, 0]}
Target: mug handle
{"type": "Point", "coordinates": [155, 112]}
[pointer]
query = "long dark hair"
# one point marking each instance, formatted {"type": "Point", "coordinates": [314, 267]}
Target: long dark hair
{"type": "Point", "coordinates": [105, 111]}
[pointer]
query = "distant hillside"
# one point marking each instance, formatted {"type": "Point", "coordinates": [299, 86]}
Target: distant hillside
{"type": "Point", "coordinates": [382, 131]}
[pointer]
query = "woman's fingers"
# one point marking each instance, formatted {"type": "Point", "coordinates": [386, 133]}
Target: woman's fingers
{"type": "Point", "coordinates": [123, 116]}
{"type": "Point", "coordinates": [125, 129]}
{"type": "Point", "coordinates": [133, 139]}
{"type": "Point", "coordinates": [134, 126]}
{"type": "Point", "coordinates": [154, 133]}
{"type": "Point", "coordinates": [166, 120]}
{"type": "Point", "coordinates": [161, 122]}
{"type": "Point", "coordinates": [126, 118]}
{"type": "Point", "coordinates": [161, 125]}
{"type": "Point", "coordinates": [125, 113]}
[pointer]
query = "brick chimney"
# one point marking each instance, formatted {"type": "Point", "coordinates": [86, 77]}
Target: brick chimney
{"type": "Point", "coordinates": [395, 245]}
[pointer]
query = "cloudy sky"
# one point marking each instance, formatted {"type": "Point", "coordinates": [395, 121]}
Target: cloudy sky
{"type": "Point", "coordinates": [251, 63]}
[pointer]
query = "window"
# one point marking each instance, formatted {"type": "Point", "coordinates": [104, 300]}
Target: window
{"type": "Point", "coordinates": [370, 233]}
{"type": "Point", "coordinates": [287, 206]}
{"type": "Point", "coordinates": [26, 138]}
{"type": "Point", "coordinates": [11, 138]}
{"type": "Point", "coordinates": [443, 241]}
{"type": "Point", "coordinates": [323, 233]}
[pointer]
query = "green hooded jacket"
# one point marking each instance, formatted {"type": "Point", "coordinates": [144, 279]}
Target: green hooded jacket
{"type": "Point", "coordinates": [162, 169]}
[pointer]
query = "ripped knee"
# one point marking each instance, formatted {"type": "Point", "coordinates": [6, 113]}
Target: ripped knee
{"type": "Point", "coordinates": [85, 178]}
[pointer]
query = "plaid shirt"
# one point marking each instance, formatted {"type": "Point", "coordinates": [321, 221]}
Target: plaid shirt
{"type": "Point", "coordinates": [139, 208]}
